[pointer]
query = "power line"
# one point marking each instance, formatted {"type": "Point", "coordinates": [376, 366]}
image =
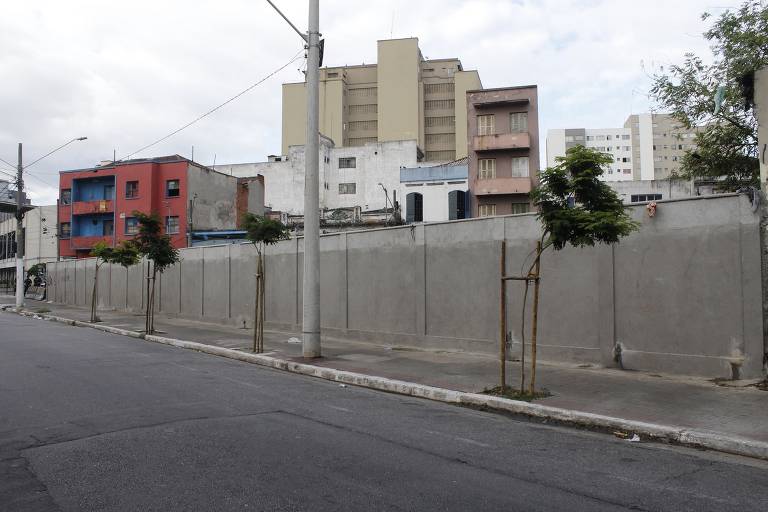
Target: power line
{"type": "Point", "coordinates": [214, 109]}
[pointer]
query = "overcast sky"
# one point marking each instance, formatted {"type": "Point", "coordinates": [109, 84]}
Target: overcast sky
{"type": "Point", "coordinates": [125, 74]}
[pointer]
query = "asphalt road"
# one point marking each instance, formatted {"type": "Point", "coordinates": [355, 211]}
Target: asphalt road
{"type": "Point", "coordinates": [92, 421]}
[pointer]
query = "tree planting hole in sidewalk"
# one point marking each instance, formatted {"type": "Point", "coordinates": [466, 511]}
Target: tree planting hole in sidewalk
{"type": "Point", "coordinates": [516, 394]}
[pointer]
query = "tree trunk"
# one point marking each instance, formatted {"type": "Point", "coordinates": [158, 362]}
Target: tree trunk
{"type": "Point", "coordinates": [262, 304]}
{"type": "Point", "coordinates": [534, 327]}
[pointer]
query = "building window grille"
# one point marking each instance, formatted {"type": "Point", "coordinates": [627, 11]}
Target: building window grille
{"type": "Point", "coordinates": [486, 125]}
{"type": "Point", "coordinates": [433, 122]}
{"type": "Point", "coordinates": [520, 167]}
{"type": "Point", "coordinates": [486, 210]}
{"type": "Point", "coordinates": [131, 225]}
{"type": "Point", "coordinates": [347, 188]}
{"type": "Point", "coordinates": [518, 122]}
{"type": "Point", "coordinates": [347, 163]}
{"type": "Point", "coordinates": [65, 230]}
{"type": "Point", "coordinates": [172, 224]}
{"type": "Point", "coordinates": [131, 189]}
{"type": "Point", "coordinates": [440, 104]}
{"type": "Point", "coordinates": [518, 208]}
{"type": "Point", "coordinates": [487, 168]}
{"type": "Point", "coordinates": [640, 198]}
{"type": "Point", "coordinates": [172, 188]}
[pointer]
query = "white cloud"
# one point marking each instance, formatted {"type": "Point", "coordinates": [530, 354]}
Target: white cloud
{"type": "Point", "coordinates": [127, 73]}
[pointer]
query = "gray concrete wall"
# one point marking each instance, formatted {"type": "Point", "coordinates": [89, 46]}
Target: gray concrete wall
{"type": "Point", "coordinates": [682, 295]}
{"type": "Point", "coordinates": [214, 196]}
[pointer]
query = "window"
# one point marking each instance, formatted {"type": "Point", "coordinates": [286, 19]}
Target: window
{"type": "Point", "coordinates": [439, 105]}
{"type": "Point", "coordinates": [172, 224]}
{"type": "Point", "coordinates": [66, 196]}
{"type": "Point", "coordinates": [172, 188]}
{"type": "Point", "coordinates": [519, 208]}
{"type": "Point", "coordinates": [487, 168]}
{"type": "Point", "coordinates": [131, 225]}
{"type": "Point", "coordinates": [486, 125]}
{"type": "Point", "coordinates": [639, 198]}
{"type": "Point", "coordinates": [627, 171]}
{"type": "Point", "coordinates": [679, 146]}
{"type": "Point", "coordinates": [347, 188]}
{"type": "Point", "coordinates": [590, 137]}
{"type": "Point", "coordinates": [65, 230]}
{"type": "Point", "coordinates": [131, 189]}
{"type": "Point", "coordinates": [108, 227]}
{"type": "Point", "coordinates": [625, 137]}
{"type": "Point", "coordinates": [627, 148]}
{"type": "Point", "coordinates": [347, 163]}
{"type": "Point", "coordinates": [414, 208]}
{"type": "Point", "coordinates": [518, 122]}
{"type": "Point", "coordinates": [625, 159]}
{"type": "Point", "coordinates": [486, 210]}
{"type": "Point", "coordinates": [607, 137]}
{"type": "Point", "coordinates": [600, 137]}
{"type": "Point", "coordinates": [520, 167]}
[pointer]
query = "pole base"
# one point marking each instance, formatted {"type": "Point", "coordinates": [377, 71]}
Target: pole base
{"type": "Point", "coordinates": [310, 345]}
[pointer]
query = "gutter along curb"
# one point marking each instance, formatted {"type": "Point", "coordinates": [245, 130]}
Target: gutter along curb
{"type": "Point", "coordinates": [664, 433]}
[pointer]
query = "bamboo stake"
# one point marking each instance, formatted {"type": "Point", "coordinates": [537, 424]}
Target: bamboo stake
{"type": "Point", "coordinates": [534, 328]}
{"type": "Point", "coordinates": [503, 318]}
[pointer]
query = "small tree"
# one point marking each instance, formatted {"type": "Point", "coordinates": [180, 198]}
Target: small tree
{"type": "Point", "coordinates": [261, 231]}
{"type": "Point", "coordinates": [160, 253]}
{"type": "Point", "coordinates": [124, 254]}
{"type": "Point", "coordinates": [576, 208]}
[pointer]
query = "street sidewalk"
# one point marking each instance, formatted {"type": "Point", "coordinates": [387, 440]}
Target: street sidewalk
{"type": "Point", "coordinates": [736, 409]}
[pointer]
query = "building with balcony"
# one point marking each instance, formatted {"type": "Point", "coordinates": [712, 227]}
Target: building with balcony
{"type": "Point", "coordinates": [97, 204]}
{"type": "Point", "coordinates": [503, 149]}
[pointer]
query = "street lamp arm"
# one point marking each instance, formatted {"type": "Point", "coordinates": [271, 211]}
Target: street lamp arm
{"type": "Point", "coordinates": [303, 36]}
{"type": "Point", "coordinates": [55, 150]}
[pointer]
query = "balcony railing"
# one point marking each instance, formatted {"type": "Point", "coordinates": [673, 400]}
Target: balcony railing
{"type": "Point", "coordinates": [89, 207]}
{"type": "Point", "coordinates": [498, 186]}
{"type": "Point", "coordinates": [86, 242]}
{"type": "Point", "coordinates": [518, 140]}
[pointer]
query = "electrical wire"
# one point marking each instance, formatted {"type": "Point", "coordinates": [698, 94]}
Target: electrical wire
{"type": "Point", "coordinates": [214, 109]}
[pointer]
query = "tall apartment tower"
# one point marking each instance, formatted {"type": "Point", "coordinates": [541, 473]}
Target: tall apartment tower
{"type": "Point", "coordinates": [648, 147]}
{"type": "Point", "coordinates": [401, 97]}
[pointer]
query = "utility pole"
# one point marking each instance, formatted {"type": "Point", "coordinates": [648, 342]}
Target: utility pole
{"type": "Point", "coordinates": [19, 234]}
{"type": "Point", "coordinates": [311, 288]}
{"type": "Point", "coordinates": [311, 283]}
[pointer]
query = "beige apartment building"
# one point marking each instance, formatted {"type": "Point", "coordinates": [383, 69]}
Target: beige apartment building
{"type": "Point", "coordinates": [658, 144]}
{"type": "Point", "coordinates": [401, 97]}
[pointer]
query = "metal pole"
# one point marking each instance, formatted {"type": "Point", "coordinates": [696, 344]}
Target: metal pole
{"type": "Point", "coordinates": [311, 289]}
{"type": "Point", "coordinates": [19, 235]}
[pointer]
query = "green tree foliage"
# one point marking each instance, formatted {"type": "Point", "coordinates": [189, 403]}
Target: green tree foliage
{"type": "Point", "coordinates": [597, 214]}
{"type": "Point", "coordinates": [36, 270]}
{"type": "Point", "coordinates": [152, 243]}
{"type": "Point", "coordinates": [726, 147]}
{"type": "Point", "coordinates": [261, 231]}
{"type": "Point", "coordinates": [156, 246]}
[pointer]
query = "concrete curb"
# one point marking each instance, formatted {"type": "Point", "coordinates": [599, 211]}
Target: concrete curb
{"type": "Point", "coordinates": [664, 433]}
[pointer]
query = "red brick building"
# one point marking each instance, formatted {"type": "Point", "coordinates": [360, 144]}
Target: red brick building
{"type": "Point", "coordinates": [503, 133]}
{"type": "Point", "coordinates": [97, 204]}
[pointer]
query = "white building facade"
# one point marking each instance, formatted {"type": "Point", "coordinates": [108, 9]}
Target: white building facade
{"type": "Point", "coordinates": [436, 193]}
{"type": "Point", "coordinates": [647, 147]}
{"type": "Point", "coordinates": [349, 176]}
{"type": "Point", "coordinates": [40, 224]}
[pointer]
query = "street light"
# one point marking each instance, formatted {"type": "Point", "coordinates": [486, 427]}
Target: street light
{"type": "Point", "coordinates": [20, 218]}
{"type": "Point", "coordinates": [386, 200]}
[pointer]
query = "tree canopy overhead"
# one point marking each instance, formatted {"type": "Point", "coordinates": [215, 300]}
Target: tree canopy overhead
{"type": "Point", "coordinates": [712, 96]}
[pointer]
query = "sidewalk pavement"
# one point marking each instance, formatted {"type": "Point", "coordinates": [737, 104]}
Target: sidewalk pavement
{"type": "Point", "coordinates": [735, 409]}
